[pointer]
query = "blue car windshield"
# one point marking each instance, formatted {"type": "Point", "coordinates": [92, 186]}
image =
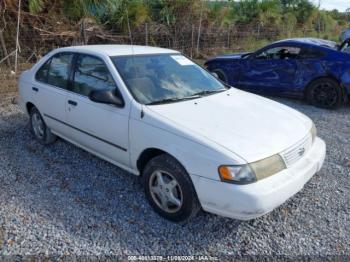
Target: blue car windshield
{"type": "Point", "coordinates": [165, 78]}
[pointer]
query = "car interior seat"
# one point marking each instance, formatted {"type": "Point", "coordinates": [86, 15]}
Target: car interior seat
{"type": "Point", "coordinates": [143, 88]}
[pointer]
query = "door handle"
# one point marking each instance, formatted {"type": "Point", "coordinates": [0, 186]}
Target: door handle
{"type": "Point", "coordinates": [73, 103]}
{"type": "Point", "coordinates": [35, 89]}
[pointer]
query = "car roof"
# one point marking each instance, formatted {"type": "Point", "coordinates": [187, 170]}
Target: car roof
{"type": "Point", "coordinates": [118, 50]}
{"type": "Point", "coordinates": [310, 41]}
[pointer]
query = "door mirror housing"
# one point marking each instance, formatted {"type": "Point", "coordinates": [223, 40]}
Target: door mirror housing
{"type": "Point", "coordinates": [106, 97]}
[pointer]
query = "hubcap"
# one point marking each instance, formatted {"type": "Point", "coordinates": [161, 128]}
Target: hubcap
{"type": "Point", "coordinates": [165, 191]}
{"type": "Point", "coordinates": [325, 94]}
{"type": "Point", "coordinates": [38, 125]}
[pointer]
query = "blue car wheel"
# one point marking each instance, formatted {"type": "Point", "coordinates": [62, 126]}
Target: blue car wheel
{"type": "Point", "coordinates": [325, 93]}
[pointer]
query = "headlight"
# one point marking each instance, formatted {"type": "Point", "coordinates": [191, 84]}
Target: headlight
{"type": "Point", "coordinates": [237, 174]}
{"type": "Point", "coordinates": [252, 172]}
{"type": "Point", "coordinates": [268, 166]}
{"type": "Point", "coordinates": [313, 131]}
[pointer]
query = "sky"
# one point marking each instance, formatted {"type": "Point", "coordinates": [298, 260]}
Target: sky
{"type": "Point", "coordinates": [341, 5]}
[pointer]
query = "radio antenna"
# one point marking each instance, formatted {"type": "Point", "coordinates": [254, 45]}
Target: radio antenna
{"type": "Point", "coordinates": [132, 52]}
{"type": "Point", "coordinates": [128, 23]}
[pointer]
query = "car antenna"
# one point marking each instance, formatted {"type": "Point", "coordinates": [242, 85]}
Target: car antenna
{"type": "Point", "coordinates": [136, 72]}
{"type": "Point", "coordinates": [133, 53]}
{"type": "Point", "coordinates": [133, 65]}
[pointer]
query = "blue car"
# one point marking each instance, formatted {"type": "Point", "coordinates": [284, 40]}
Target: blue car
{"type": "Point", "coordinates": [313, 69]}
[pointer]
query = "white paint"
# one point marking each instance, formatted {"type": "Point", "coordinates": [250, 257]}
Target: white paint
{"type": "Point", "coordinates": [253, 200]}
{"type": "Point", "coordinates": [231, 128]}
{"type": "Point", "coordinates": [118, 50]}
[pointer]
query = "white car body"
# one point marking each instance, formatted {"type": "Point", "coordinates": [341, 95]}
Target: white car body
{"type": "Point", "coordinates": [229, 128]}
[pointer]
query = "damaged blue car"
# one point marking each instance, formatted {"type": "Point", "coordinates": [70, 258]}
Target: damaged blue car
{"type": "Point", "coordinates": [312, 69]}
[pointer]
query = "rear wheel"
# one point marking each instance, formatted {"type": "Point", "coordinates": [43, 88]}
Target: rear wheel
{"type": "Point", "coordinates": [324, 93]}
{"type": "Point", "coordinates": [39, 129]}
{"type": "Point", "coordinates": [169, 189]}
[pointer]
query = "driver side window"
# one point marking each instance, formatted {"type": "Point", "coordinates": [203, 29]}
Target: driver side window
{"type": "Point", "coordinates": [91, 74]}
{"type": "Point", "coordinates": [279, 53]}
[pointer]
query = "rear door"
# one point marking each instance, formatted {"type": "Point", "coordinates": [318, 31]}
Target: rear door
{"type": "Point", "coordinates": [100, 128]}
{"type": "Point", "coordinates": [271, 70]}
{"type": "Point", "coordinates": [50, 89]}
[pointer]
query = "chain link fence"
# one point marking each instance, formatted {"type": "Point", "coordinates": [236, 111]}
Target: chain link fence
{"type": "Point", "coordinates": [34, 41]}
{"type": "Point", "coordinates": [38, 35]}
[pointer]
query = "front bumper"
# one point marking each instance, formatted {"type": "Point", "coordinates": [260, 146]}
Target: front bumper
{"type": "Point", "coordinates": [246, 202]}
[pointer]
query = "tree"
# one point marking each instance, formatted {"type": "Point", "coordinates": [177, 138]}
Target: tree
{"type": "Point", "coordinates": [301, 8]}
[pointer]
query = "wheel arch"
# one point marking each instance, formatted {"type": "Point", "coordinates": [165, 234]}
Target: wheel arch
{"type": "Point", "coordinates": [29, 106]}
{"type": "Point", "coordinates": [148, 154]}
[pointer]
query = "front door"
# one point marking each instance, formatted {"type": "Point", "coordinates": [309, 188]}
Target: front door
{"type": "Point", "coordinates": [100, 128]}
{"type": "Point", "coordinates": [271, 71]}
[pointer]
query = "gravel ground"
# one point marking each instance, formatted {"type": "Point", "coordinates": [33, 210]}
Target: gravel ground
{"type": "Point", "coordinates": [60, 200]}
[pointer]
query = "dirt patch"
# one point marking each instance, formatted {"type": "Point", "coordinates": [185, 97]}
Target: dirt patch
{"type": "Point", "coordinates": [8, 79]}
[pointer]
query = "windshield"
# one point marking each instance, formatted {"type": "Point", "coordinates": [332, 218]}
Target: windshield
{"type": "Point", "coordinates": [165, 78]}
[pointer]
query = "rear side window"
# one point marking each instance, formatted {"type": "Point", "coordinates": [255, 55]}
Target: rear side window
{"type": "Point", "coordinates": [310, 53]}
{"type": "Point", "coordinates": [55, 71]}
{"type": "Point", "coordinates": [91, 74]}
{"type": "Point", "coordinates": [41, 74]}
{"type": "Point", "coordinates": [279, 53]}
{"type": "Point", "coordinates": [59, 70]}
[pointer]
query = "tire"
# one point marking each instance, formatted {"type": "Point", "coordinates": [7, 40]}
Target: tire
{"type": "Point", "coordinates": [221, 75]}
{"type": "Point", "coordinates": [180, 202]}
{"type": "Point", "coordinates": [39, 129]}
{"type": "Point", "coordinates": [325, 93]}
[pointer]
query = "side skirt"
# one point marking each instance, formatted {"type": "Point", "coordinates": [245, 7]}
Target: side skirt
{"type": "Point", "coordinates": [128, 169]}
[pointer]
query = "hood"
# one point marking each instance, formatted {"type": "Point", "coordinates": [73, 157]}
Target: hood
{"type": "Point", "coordinates": [248, 125]}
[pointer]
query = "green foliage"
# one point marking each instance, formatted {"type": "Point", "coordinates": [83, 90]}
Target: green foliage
{"type": "Point", "coordinates": [326, 22]}
{"type": "Point", "coordinates": [245, 11]}
{"type": "Point", "coordinates": [78, 9]}
{"type": "Point", "coordinates": [121, 14]}
{"type": "Point", "coordinates": [219, 14]}
{"type": "Point", "coordinates": [36, 6]}
{"type": "Point", "coordinates": [289, 23]}
{"type": "Point", "coordinates": [286, 17]}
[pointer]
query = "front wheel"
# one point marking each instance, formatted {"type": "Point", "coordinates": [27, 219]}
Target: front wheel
{"type": "Point", "coordinates": [169, 189]}
{"type": "Point", "coordinates": [324, 93]}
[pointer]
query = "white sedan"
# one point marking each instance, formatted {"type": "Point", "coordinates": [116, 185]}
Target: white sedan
{"type": "Point", "coordinates": [195, 142]}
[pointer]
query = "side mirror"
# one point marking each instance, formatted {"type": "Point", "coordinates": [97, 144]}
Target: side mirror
{"type": "Point", "coordinates": [106, 97]}
{"type": "Point", "coordinates": [215, 75]}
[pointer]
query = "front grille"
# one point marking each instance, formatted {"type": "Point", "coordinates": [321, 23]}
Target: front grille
{"type": "Point", "coordinates": [297, 151]}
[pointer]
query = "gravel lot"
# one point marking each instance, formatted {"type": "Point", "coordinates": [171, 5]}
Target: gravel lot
{"type": "Point", "coordinates": [60, 200]}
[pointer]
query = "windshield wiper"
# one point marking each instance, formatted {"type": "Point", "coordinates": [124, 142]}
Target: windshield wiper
{"type": "Point", "coordinates": [208, 92]}
{"type": "Point", "coordinates": [174, 99]}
